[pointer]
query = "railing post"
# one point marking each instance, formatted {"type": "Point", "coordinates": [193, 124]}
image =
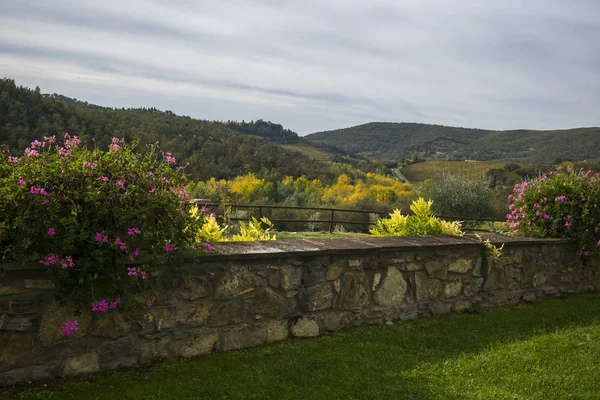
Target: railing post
{"type": "Point", "coordinates": [260, 214]}
{"type": "Point", "coordinates": [331, 222]}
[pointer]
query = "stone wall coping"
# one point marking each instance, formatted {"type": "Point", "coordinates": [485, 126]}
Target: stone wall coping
{"type": "Point", "coordinates": [315, 247]}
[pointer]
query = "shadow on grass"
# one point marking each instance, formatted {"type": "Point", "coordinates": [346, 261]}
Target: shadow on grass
{"type": "Point", "coordinates": [371, 362]}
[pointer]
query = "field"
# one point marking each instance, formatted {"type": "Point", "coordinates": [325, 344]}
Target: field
{"type": "Point", "coordinates": [310, 151]}
{"type": "Point", "coordinates": [543, 351]}
{"type": "Point", "coordinates": [428, 169]}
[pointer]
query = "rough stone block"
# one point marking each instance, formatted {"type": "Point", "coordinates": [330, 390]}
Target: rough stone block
{"type": "Point", "coordinates": [472, 286]}
{"type": "Point", "coordinates": [277, 330]}
{"type": "Point", "coordinates": [461, 266]}
{"type": "Point", "coordinates": [235, 282]}
{"type": "Point", "coordinates": [355, 291]}
{"type": "Point", "coordinates": [83, 364]}
{"type": "Point", "coordinates": [15, 349]}
{"type": "Point", "coordinates": [193, 288]}
{"type": "Point", "coordinates": [452, 288]}
{"type": "Point", "coordinates": [319, 297]}
{"type": "Point", "coordinates": [305, 327]}
{"type": "Point", "coordinates": [392, 291]}
{"type": "Point", "coordinates": [53, 318]}
{"type": "Point", "coordinates": [196, 346]}
{"type": "Point", "coordinates": [426, 288]}
{"type": "Point", "coordinates": [243, 337]}
{"type": "Point", "coordinates": [334, 271]}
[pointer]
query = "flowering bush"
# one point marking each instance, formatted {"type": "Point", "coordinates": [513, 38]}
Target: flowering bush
{"type": "Point", "coordinates": [420, 223]}
{"type": "Point", "coordinates": [561, 204]}
{"type": "Point", "coordinates": [85, 213]}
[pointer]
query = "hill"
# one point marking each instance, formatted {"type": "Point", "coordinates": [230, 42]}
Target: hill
{"type": "Point", "coordinates": [399, 141]}
{"type": "Point", "coordinates": [212, 149]}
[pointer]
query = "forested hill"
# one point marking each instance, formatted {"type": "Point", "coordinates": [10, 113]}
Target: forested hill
{"type": "Point", "coordinates": [405, 140]}
{"type": "Point", "coordinates": [212, 149]}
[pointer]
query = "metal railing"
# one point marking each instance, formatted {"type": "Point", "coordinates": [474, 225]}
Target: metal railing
{"type": "Point", "coordinates": [331, 212]}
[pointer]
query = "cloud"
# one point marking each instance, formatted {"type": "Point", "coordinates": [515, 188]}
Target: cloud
{"type": "Point", "coordinates": [317, 64]}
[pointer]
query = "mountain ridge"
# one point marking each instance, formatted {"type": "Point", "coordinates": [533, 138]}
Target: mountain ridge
{"type": "Point", "coordinates": [401, 140]}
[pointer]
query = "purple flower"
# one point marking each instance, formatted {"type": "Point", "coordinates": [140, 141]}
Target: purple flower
{"type": "Point", "coordinates": [51, 232]}
{"type": "Point", "coordinates": [120, 183]}
{"type": "Point", "coordinates": [207, 246]}
{"type": "Point", "coordinates": [21, 182]}
{"type": "Point", "coordinates": [133, 231]}
{"type": "Point", "coordinates": [50, 260]}
{"type": "Point", "coordinates": [67, 262]}
{"type": "Point", "coordinates": [169, 247]}
{"type": "Point", "coordinates": [70, 328]}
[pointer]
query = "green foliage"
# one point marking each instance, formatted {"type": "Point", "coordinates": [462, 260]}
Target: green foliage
{"type": "Point", "coordinates": [405, 140]}
{"type": "Point", "coordinates": [420, 223]}
{"type": "Point", "coordinates": [255, 230]}
{"type": "Point", "coordinates": [562, 204]}
{"type": "Point", "coordinates": [212, 149]}
{"type": "Point", "coordinates": [458, 195]}
{"type": "Point", "coordinates": [494, 252]}
{"type": "Point", "coordinates": [85, 212]}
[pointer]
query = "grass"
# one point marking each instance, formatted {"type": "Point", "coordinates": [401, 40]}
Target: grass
{"type": "Point", "coordinates": [310, 151]}
{"type": "Point", "coordinates": [546, 351]}
{"type": "Point", "coordinates": [319, 235]}
{"type": "Point", "coordinates": [428, 169]}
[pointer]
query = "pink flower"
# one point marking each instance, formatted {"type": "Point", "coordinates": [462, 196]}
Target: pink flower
{"type": "Point", "coordinates": [67, 262]}
{"type": "Point", "coordinates": [136, 252]}
{"type": "Point", "coordinates": [120, 183]}
{"type": "Point", "coordinates": [118, 242]}
{"type": "Point", "coordinates": [132, 271]}
{"type": "Point", "coordinates": [89, 164]}
{"type": "Point", "coordinates": [50, 260]}
{"type": "Point", "coordinates": [144, 275]}
{"type": "Point", "coordinates": [51, 232]}
{"type": "Point", "coordinates": [70, 328]}
{"type": "Point", "coordinates": [207, 246]}
{"type": "Point", "coordinates": [170, 159]}
{"type": "Point", "coordinates": [561, 198]}
{"type": "Point", "coordinates": [35, 144]}
{"type": "Point", "coordinates": [13, 159]}
{"type": "Point", "coordinates": [64, 152]}
{"type": "Point", "coordinates": [169, 247]}
{"type": "Point", "coordinates": [568, 224]}
{"type": "Point", "coordinates": [21, 182]}
{"type": "Point", "coordinates": [72, 143]}
{"type": "Point", "coordinates": [50, 139]}
{"type": "Point", "coordinates": [103, 179]}
{"type": "Point", "coordinates": [101, 238]}
{"type": "Point", "coordinates": [31, 153]}
{"type": "Point", "coordinates": [37, 191]}
{"type": "Point", "coordinates": [212, 275]}
{"type": "Point", "coordinates": [151, 190]}
{"type": "Point", "coordinates": [133, 231]}
{"type": "Point", "coordinates": [99, 307]}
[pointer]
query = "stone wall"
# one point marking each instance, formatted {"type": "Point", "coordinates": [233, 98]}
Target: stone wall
{"type": "Point", "coordinates": [249, 294]}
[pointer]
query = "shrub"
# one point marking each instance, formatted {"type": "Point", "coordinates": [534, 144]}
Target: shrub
{"type": "Point", "coordinates": [459, 195]}
{"type": "Point", "coordinates": [84, 213]}
{"type": "Point", "coordinates": [254, 231]}
{"type": "Point", "coordinates": [560, 204]}
{"type": "Point", "coordinates": [420, 223]}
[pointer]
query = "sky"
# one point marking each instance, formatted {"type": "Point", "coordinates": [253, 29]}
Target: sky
{"type": "Point", "coordinates": [315, 65]}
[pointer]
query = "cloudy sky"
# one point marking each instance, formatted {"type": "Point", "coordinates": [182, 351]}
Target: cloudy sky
{"type": "Point", "coordinates": [315, 65]}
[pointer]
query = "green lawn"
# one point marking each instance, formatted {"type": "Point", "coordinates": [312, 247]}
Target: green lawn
{"type": "Point", "coordinates": [546, 351]}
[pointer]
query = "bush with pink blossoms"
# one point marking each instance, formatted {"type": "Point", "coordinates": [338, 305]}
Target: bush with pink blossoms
{"type": "Point", "coordinates": [561, 204]}
{"type": "Point", "coordinates": [84, 213]}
